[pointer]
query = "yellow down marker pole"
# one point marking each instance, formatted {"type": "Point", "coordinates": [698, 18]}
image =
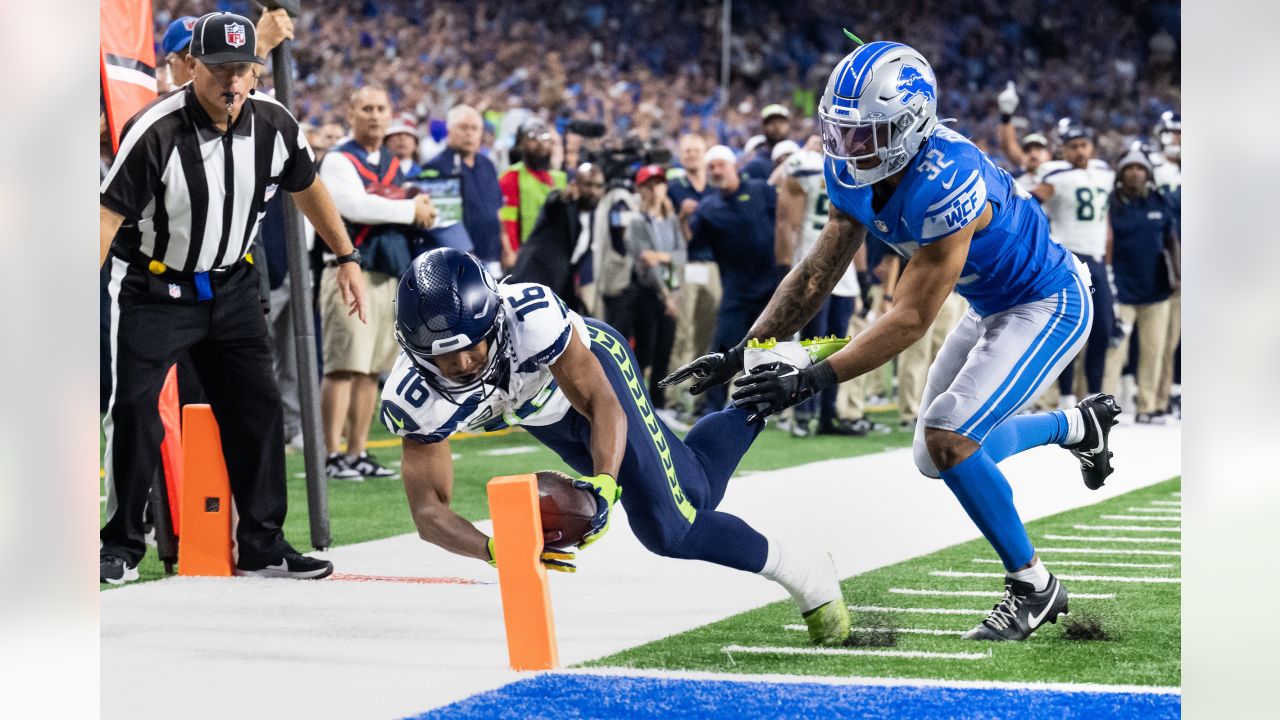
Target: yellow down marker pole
{"type": "Point", "coordinates": [526, 597]}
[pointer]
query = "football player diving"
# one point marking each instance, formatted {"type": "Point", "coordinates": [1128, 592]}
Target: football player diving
{"type": "Point", "coordinates": [479, 356]}
{"type": "Point", "coordinates": [892, 170]}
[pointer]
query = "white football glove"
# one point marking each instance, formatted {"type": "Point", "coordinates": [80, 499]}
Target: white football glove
{"type": "Point", "coordinates": [1007, 100]}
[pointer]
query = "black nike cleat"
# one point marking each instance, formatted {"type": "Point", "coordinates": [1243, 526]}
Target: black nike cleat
{"type": "Point", "coordinates": [1021, 611]}
{"type": "Point", "coordinates": [1098, 413]}
{"type": "Point", "coordinates": [291, 564]}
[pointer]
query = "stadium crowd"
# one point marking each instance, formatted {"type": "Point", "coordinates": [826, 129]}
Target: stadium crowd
{"type": "Point", "coordinates": [522, 94]}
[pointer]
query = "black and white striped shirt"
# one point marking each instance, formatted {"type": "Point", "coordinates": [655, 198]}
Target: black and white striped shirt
{"type": "Point", "coordinates": [186, 200]}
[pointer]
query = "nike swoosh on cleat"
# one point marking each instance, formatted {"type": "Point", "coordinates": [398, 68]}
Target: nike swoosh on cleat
{"type": "Point", "coordinates": [1093, 415]}
{"type": "Point", "coordinates": [1035, 620]}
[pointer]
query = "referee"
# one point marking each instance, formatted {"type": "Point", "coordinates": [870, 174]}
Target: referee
{"type": "Point", "coordinates": [178, 211]}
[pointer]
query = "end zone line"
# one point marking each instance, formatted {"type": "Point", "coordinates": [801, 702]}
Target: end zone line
{"type": "Point", "coordinates": [1089, 563]}
{"type": "Point", "coordinates": [1128, 528]}
{"type": "Point", "coordinates": [908, 631]}
{"type": "Point", "coordinates": [916, 654]}
{"type": "Point", "coordinates": [922, 611]}
{"type": "Point", "coordinates": [1078, 578]}
{"type": "Point", "coordinates": [702, 675]}
{"type": "Point", "coordinates": [1112, 538]}
{"type": "Point", "coordinates": [356, 577]}
{"type": "Point", "coordinates": [1144, 518]}
{"type": "Point", "coordinates": [987, 593]}
{"type": "Point", "coordinates": [1109, 551]}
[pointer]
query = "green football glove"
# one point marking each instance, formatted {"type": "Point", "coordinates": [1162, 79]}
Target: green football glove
{"type": "Point", "coordinates": [552, 559]}
{"type": "Point", "coordinates": [607, 492]}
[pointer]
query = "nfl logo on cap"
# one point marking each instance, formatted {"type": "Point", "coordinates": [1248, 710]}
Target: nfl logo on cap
{"type": "Point", "coordinates": [235, 34]}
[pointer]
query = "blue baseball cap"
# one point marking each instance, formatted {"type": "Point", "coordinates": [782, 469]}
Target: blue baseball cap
{"type": "Point", "coordinates": [178, 36]}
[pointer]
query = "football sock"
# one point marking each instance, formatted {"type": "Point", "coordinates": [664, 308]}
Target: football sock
{"type": "Point", "coordinates": [1037, 575]}
{"type": "Point", "coordinates": [808, 575]}
{"type": "Point", "coordinates": [1024, 432]}
{"type": "Point", "coordinates": [986, 496]}
{"type": "Point", "coordinates": [1075, 426]}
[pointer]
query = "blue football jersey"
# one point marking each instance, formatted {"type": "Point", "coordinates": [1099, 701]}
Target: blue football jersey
{"type": "Point", "coordinates": [946, 186]}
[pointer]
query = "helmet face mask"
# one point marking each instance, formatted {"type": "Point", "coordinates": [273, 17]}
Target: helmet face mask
{"type": "Point", "coordinates": [879, 108]}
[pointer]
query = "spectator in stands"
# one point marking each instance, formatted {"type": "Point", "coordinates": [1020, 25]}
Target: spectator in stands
{"type": "Point", "coordinates": [480, 192]}
{"type": "Point", "coordinates": [737, 223]}
{"type": "Point", "coordinates": [365, 180]}
{"type": "Point", "coordinates": [526, 185]}
{"type": "Point", "coordinates": [1145, 256]}
{"type": "Point", "coordinates": [402, 141]}
{"type": "Point", "coordinates": [700, 296]}
{"type": "Point", "coordinates": [657, 249]}
{"type": "Point", "coordinates": [559, 242]}
{"type": "Point", "coordinates": [776, 120]}
{"type": "Point", "coordinates": [1027, 156]}
{"type": "Point", "coordinates": [323, 137]}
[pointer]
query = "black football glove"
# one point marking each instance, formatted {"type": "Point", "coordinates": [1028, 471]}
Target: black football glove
{"type": "Point", "coordinates": [772, 388]}
{"type": "Point", "coordinates": [709, 370]}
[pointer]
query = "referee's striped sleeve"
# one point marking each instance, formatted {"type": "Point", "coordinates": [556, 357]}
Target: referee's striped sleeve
{"type": "Point", "coordinates": [299, 169]}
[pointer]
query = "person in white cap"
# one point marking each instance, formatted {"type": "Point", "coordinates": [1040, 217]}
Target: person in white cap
{"type": "Point", "coordinates": [402, 141]}
{"type": "Point", "coordinates": [776, 121]}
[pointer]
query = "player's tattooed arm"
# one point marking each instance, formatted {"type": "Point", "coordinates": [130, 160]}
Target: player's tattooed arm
{"type": "Point", "coordinates": [427, 469]}
{"type": "Point", "coordinates": [809, 283]}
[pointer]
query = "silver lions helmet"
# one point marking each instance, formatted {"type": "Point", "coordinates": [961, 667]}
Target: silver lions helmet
{"type": "Point", "coordinates": [880, 105]}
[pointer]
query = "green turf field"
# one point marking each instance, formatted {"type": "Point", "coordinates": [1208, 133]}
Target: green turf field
{"type": "Point", "coordinates": [1141, 623]}
{"type": "Point", "coordinates": [375, 509]}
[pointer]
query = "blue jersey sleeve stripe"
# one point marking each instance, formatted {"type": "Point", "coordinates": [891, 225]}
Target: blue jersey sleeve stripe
{"type": "Point", "coordinates": [964, 187]}
{"type": "Point", "coordinates": [548, 356]}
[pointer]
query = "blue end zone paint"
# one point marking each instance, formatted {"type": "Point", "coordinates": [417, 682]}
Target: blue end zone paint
{"type": "Point", "coordinates": [585, 696]}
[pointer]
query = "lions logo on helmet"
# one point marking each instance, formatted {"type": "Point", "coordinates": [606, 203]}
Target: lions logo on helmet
{"type": "Point", "coordinates": [879, 107]}
{"type": "Point", "coordinates": [448, 302]}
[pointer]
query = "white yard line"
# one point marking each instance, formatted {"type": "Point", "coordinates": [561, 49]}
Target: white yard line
{"type": "Point", "coordinates": [912, 654]}
{"type": "Point", "coordinates": [1144, 518]}
{"type": "Point", "coordinates": [1112, 538]}
{"type": "Point", "coordinates": [918, 611]}
{"type": "Point", "coordinates": [1166, 511]}
{"type": "Point", "coordinates": [1080, 578]}
{"type": "Point", "coordinates": [1176, 494]}
{"type": "Point", "coordinates": [698, 675]}
{"type": "Point", "coordinates": [986, 593]}
{"type": "Point", "coordinates": [517, 450]}
{"type": "Point", "coordinates": [1174, 503]}
{"type": "Point", "coordinates": [906, 631]}
{"type": "Point", "coordinates": [1109, 551]}
{"type": "Point", "coordinates": [1128, 528]}
{"type": "Point", "coordinates": [1086, 563]}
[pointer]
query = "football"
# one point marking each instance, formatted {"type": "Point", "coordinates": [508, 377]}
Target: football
{"type": "Point", "coordinates": [566, 510]}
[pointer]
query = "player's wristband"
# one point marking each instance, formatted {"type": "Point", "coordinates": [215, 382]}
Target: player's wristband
{"type": "Point", "coordinates": [493, 557]}
{"type": "Point", "coordinates": [1006, 118]}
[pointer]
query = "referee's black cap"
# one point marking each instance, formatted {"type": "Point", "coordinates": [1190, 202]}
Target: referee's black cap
{"type": "Point", "coordinates": [223, 37]}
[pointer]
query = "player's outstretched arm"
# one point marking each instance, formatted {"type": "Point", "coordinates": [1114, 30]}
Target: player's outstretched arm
{"type": "Point", "coordinates": [807, 286]}
{"type": "Point", "coordinates": [427, 469]}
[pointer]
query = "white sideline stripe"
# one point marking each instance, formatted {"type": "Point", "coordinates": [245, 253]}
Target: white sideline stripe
{"type": "Point", "coordinates": [918, 654]}
{"type": "Point", "coordinates": [987, 593]}
{"type": "Point", "coordinates": [1112, 538]}
{"type": "Point", "coordinates": [908, 631]}
{"type": "Point", "coordinates": [1175, 503]}
{"type": "Point", "coordinates": [1080, 578]}
{"type": "Point", "coordinates": [702, 675]}
{"type": "Point", "coordinates": [1086, 563]}
{"type": "Point", "coordinates": [1109, 551]}
{"type": "Point", "coordinates": [1167, 511]}
{"type": "Point", "coordinates": [1128, 528]}
{"type": "Point", "coordinates": [517, 450]}
{"type": "Point", "coordinates": [1144, 518]}
{"type": "Point", "coordinates": [1176, 494]}
{"type": "Point", "coordinates": [923, 611]}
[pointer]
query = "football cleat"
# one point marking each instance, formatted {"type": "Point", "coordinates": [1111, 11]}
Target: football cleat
{"type": "Point", "coordinates": [291, 564]}
{"type": "Point", "coordinates": [338, 467]}
{"type": "Point", "coordinates": [828, 623]}
{"type": "Point", "coordinates": [115, 570]}
{"type": "Point", "coordinates": [799, 355]}
{"type": "Point", "coordinates": [1021, 611]}
{"type": "Point", "coordinates": [368, 466]}
{"type": "Point", "coordinates": [1098, 413]}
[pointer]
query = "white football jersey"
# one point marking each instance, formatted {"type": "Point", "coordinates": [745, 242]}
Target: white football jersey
{"type": "Point", "coordinates": [1168, 176]}
{"type": "Point", "coordinates": [1078, 209]}
{"type": "Point", "coordinates": [539, 327]}
{"type": "Point", "coordinates": [806, 167]}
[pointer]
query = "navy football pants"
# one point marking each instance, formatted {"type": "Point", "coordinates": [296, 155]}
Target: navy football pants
{"type": "Point", "coordinates": [670, 488]}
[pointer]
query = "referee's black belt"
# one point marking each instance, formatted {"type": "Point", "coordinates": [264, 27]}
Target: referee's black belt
{"type": "Point", "coordinates": [137, 259]}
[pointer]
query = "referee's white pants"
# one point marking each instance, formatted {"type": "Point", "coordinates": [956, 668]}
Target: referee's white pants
{"type": "Point", "coordinates": [990, 368]}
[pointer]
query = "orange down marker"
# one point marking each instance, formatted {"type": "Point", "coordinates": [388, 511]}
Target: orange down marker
{"type": "Point", "coordinates": [526, 597]}
{"type": "Point", "coordinates": [204, 548]}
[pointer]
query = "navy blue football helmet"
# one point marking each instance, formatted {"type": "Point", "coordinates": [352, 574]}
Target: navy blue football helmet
{"type": "Point", "coordinates": [448, 302]}
{"type": "Point", "coordinates": [1069, 129]}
